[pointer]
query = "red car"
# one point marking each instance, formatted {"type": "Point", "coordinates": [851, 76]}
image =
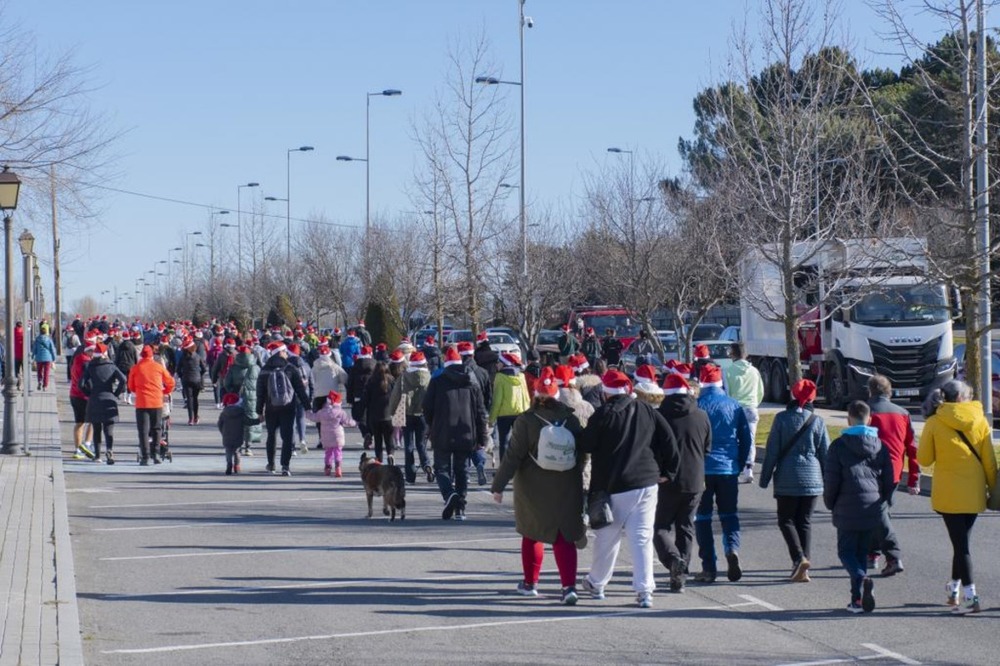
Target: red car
{"type": "Point", "coordinates": [603, 317]}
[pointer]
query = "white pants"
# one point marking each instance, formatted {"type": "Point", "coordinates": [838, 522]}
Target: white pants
{"type": "Point", "coordinates": [753, 418]}
{"type": "Point", "coordinates": [634, 511]}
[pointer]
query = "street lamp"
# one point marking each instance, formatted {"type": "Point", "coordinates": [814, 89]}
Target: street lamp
{"type": "Point", "coordinates": [288, 203]}
{"type": "Point", "coordinates": [187, 264]}
{"type": "Point", "coordinates": [172, 261]}
{"type": "Point", "coordinates": [10, 187]}
{"type": "Point", "coordinates": [239, 229]}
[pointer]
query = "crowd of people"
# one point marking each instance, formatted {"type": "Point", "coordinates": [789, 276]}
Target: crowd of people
{"type": "Point", "coordinates": [653, 457]}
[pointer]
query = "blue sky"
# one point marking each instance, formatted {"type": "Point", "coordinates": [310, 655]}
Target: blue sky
{"type": "Point", "coordinates": [212, 93]}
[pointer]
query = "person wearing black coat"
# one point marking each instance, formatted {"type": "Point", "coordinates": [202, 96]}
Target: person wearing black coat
{"type": "Point", "coordinates": [103, 383]}
{"type": "Point", "coordinates": [432, 354]}
{"type": "Point", "coordinates": [677, 502]}
{"type": "Point", "coordinates": [482, 377]}
{"type": "Point", "coordinates": [279, 418]}
{"type": "Point", "coordinates": [457, 424]}
{"type": "Point", "coordinates": [632, 451]}
{"type": "Point", "coordinates": [357, 379]}
{"type": "Point", "coordinates": [375, 403]}
{"type": "Point", "coordinates": [487, 359]}
{"type": "Point", "coordinates": [191, 370]}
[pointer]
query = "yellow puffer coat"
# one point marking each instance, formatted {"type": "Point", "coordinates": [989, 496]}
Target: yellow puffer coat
{"type": "Point", "coordinates": [960, 481]}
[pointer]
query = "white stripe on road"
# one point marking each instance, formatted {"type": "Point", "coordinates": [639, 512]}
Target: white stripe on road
{"type": "Point", "coordinates": [237, 523]}
{"type": "Point", "coordinates": [308, 549]}
{"type": "Point", "coordinates": [170, 505]}
{"type": "Point", "coordinates": [760, 602]}
{"type": "Point", "coordinates": [882, 652]}
{"type": "Point", "coordinates": [412, 630]}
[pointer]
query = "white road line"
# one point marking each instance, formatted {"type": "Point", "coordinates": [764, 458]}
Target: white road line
{"type": "Point", "coordinates": [411, 630]}
{"type": "Point", "coordinates": [170, 505]}
{"type": "Point", "coordinates": [883, 652]}
{"type": "Point", "coordinates": [821, 662]}
{"type": "Point", "coordinates": [310, 549]}
{"type": "Point", "coordinates": [760, 602]}
{"type": "Point", "coordinates": [237, 523]}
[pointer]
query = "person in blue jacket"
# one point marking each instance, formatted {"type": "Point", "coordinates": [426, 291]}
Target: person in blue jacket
{"type": "Point", "coordinates": [731, 442]}
{"type": "Point", "coordinates": [349, 348]}
{"type": "Point", "coordinates": [43, 351]}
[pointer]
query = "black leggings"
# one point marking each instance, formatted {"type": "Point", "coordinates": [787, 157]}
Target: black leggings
{"type": "Point", "coordinates": [959, 527]}
{"type": "Point", "coordinates": [108, 430]}
{"type": "Point", "coordinates": [382, 432]}
{"type": "Point", "coordinates": [795, 523]}
{"type": "Point", "coordinates": [191, 392]}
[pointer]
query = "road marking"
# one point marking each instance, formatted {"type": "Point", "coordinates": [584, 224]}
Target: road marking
{"type": "Point", "coordinates": [883, 652]}
{"type": "Point", "coordinates": [170, 505]}
{"type": "Point", "coordinates": [232, 523]}
{"type": "Point", "coordinates": [411, 630]}
{"type": "Point", "coordinates": [760, 602]}
{"type": "Point", "coordinates": [308, 549]}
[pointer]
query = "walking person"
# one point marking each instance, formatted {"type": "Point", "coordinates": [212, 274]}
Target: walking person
{"type": "Point", "coordinates": [677, 502]}
{"type": "Point", "coordinates": [375, 403]}
{"type": "Point", "coordinates": [957, 440]}
{"type": "Point", "coordinates": [457, 422]}
{"type": "Point", "coordinates": [103, 383]}
{"type": "Point", "coordinates": [295, 359]}
{"type": "Point", "coordinates": [70, 342]}
{"type": "Point", "coordinates": [857, 480]}
{"type": "Point", "coordinates": [43, 352]}
{"type": "Point", "coordinates": [409, 391]}
{"type": "Point", "coordinates": [191, 369]}
{"type": "Point", "coordinates": [632, 451]}
{"type": "Point", "coordinates": [242, 379]}
{"type": "Point", "coordinates": [548, 505]}
{"type": "Point", "coordinates": [127, 356]}
{"type": "Point", "coordinates": [745, 385]}
{"type": "Point", "coordinates": [611, 348]}
{"type": "Point", "coordinates": [327, 376]}
{"type": "Point", "coordinates": [233, 422]}
{"type": "Point", "coordinates": [895, 430]}
{"type": "Point", "coordinates": [510, 399]}
{"type": "Point", "coordinates": [796, 451]}
{"type": "Point", "coordinates": [279, 386]}
{"type": "Point", "coordinates": [149, 381]}
{"type": "Point", "coordinates": [357, 377]}
{"type": "Point", "coordinates": [332, 420]}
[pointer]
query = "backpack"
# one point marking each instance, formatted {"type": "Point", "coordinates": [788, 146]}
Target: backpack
{"type": "Point", "coordinates": [279, 389]}
{"type": "Point", "coordinates": [556, 448]}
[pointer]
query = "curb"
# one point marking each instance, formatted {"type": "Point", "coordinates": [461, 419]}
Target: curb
{"type": "Point", "coordinates": [70, 642]}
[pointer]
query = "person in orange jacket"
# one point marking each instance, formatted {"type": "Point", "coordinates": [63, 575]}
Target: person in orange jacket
{"type": "Point", "coordinates": [149, 381]}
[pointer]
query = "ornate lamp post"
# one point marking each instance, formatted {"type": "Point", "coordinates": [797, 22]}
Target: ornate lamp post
{"type": "Point", "coordinates": [10, 187]}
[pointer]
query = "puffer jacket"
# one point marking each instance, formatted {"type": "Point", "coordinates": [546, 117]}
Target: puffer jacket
{"type": "Point", "coordinates": [582, 409]}
{"type": "Point", "coordinates": [960, 480]}
{"type": "Point", "coordinates": [149, 381]}
{"type": "Point", "coordinates": [328, 376]}
{"type": "Point", "coordinates": [375, 400]}
{"type": "Point", "coordinates": [126, 357]}
{"type": "Point", "coordinates": [731, 440]}
{"type": "Point", "coordinates": [410, 389]}
{"type": "Point", "coordinates": [278, 364]}
{"type": "Point", "coordinates": [455, 413]}
{"type": "Point", "coordinates": [800, 473]}
{"type": "Point", "coordinates": [242, 379]}
{"type": "Point", "coordinates": [103, 383]}
{"type": "Point", "coordinates": [357, 377]}
{"type": "Point", "coordinates": [857, 479]}
{"type": "Point", "coordinates": [349, 348]}
{"type": "Point", "coordinates": [191, 368]}
{"type": "Point", "coordinates": [510, 394]}
{"type": "Point", "coordinates": [43, 351]}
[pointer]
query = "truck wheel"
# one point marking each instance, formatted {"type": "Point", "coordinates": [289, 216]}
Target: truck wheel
{"type": "Point", "coordinates": [836, 386]}
{"type": "Point", "coordinates": [764, 368]}
{"type": "Point", "coordinates": [779, 382]}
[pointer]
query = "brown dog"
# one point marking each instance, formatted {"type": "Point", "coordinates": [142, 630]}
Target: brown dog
{"type": "Point", "coordinates": [387, 481]}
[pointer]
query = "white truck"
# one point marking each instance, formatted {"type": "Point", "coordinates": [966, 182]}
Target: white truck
{"type": "Point", "coordinates": [865, 305]}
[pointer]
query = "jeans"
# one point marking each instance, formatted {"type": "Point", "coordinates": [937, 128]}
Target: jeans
{"type": "Point", "coordinates": [674, 513]}
{"type": "Point", "coordinates": [300, 422]}
{"type": "Point", "coordinates": [753, 418]}
{"type": "Point", "coordinates": [505, 424]}
{"type": "Point", "coordinates": [147, 420]}
{"type": "Point", "coordinates": [279, 420]}
{"type": "Point", "coordinates": [959, 526]}
{"type": "Point", "coordinates": [413, 442]}
{"type": "Point", "coordinates": [724, 490]}
{"type": "Point", "coordinates": [795, 523]}
{"type": "Point", "coordinates": [634, 511]}
{"type": "Point", "coordinates": [452, 477]}
{"type": "Point", "coordinates": [852, 549]}
{"type": "Point", "coordinates": [885, 540]}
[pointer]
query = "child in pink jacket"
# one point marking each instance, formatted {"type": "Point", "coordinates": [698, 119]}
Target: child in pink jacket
{"type": "Point", "coordinates": [331, 420]}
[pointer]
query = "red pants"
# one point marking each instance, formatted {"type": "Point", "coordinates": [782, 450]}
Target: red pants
{"type": "Point", "coordinates": [532, 553]}
{"type": "Point", "coordinates": [43, 372]}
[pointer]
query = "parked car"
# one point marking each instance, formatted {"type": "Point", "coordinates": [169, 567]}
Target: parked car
{"type": "Point", "coordinates": [547, 344]}
{"type": "Point", "coordinates": [995, 361]}
{"type": "Point", "coordinates": [670, 351]}
{"type": "Point", "coordinates": [459, 335]}
{"type": "Point", "coordinates": [719, 351]}
{"type": "Point", "coordinates": [502, 343]}
{"type": "Point", "coordinates": [731, 334]}
{"type": "Point", "coordinates": [512, 333]}
{"type": "Point", "coordinates": [420, 336]}
{"type": "Point", "coordinates": [703, 332]}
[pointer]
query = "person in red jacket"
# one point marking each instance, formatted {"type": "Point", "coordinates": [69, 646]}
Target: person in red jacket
{"type": "Point", "coordinates": [18, 351]}
{"type": "Point", "coordinates": [895, 430]}
{"type": "Point", "coordinates": [78, 399]}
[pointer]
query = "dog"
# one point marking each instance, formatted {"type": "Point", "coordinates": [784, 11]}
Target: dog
{"type": "Point", "coordinates": [387, 481]}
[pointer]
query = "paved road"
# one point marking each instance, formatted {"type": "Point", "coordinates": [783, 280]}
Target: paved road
{"type": "Point", "coordinates": [180, 564]}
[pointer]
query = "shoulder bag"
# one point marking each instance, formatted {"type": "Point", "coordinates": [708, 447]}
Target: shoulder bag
{"type": "Point", "coordinates": [795, 438]}
{"type": "Point", "coordinates": [599, 500]}
{"type": "Point", "coordinates": [992, 494]}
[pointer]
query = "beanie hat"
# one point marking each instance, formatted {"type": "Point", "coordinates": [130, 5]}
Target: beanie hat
{"type": "Point", "coordinates": [711, 375]}
{"type": "Point", "coordinates": [564, 375]}
{"type": "Point", "coordinates": [451, 357]}
{"type": "Point", "coordinates": [616, 383]}
{"type": "Point", "coordinates": [675, 384]}
{"type": "Point", "coordinates": [546, 384]}
{"type": "Point", "coordinates": [333, 397]}
{"type": "Point", "coordinates": [418, 360]}
{"type": "Point", "coordinates": [701, 352]}
{"type": "Point", "coordinates": [465, 348]}
{"type": "Point", "coordinates": [230, 399]}
{"type": "Point", "coordinates": [645, 372]}
{"type": "Point", "coordinates": [804, 392]}
{"type": "Point", "coordinates": [511, 360]}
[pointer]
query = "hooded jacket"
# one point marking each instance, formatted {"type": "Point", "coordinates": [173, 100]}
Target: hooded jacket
{"type": "Point", "coordinates": [731, 440]}
{"type": "Point", "coordinates": [126, 357]}
{"type": "Point", "coordinates": [693, 433]}
{"type": "Point", "coordinates": [328, 376]}
{"type": "Point", "coordinates": [149, 381]}
{"type": "Point", "coordinates": [483, 377]}
{"type": "Point", "coordinates": [233, 419]}
{"type": "Point", "coordinates": [375, 400]}
{"type": "Point", "coordinates": [744, 383]}
{"type": "Point", "coordinates": [455, 413]}
{"type": "Point", "coordinates": [510, 394]}
{"type": "Point", "coordinates": [242, 379]}
{"type": "Point", "coordinates": [896, 432]}
{"type": "Point", "coordinates": [349, 348]}
{"type": "Point", "coordinates": [487, 359]}
{"type": "Point", "coordinates": [332, 419]}
{"type": "Point", "coordinates": [42, 350]}
{"type": "Point", "coordinates": [278, 364]}
{"type": "Point", "coordinates": [644, 449]}
{"type": "Point", "coordinates": [357, 377]}
{"type": "Point", "coordinates": [410, 389]}
{"type": "Point", "coordinates": [960, 480]}
{"type": "Point", "coordinates": [103, 383]}
{"type": "Point", "coordinates": [191, 368]}
{"type": "Point", "coordinates": [433, 356]}
{"type": "Point", "coordinates": [582, 410]}
{"type": "Point", "coordinates": [857, 479]}
{"type": "Point", "coordinates": [800, 472]}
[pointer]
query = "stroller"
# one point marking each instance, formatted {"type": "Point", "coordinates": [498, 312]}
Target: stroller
{"type": "Point", "coordinates": [164, 446]}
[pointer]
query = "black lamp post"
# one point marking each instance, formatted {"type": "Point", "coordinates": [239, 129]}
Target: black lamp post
{"type": "Point", "coordinates": [10, 187]}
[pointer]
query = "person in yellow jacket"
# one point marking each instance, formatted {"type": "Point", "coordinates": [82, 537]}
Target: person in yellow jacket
{"type": "Point", "coordinates": [510, 398]}
{"type": "Point", "coordinates": [957, 440]}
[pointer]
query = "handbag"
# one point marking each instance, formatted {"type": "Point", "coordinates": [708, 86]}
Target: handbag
{"type": "Point", "coordinates": [795, 438]}
{"type": "Point", "coordinates": [599, 500]}
{"type": "Point", "coordinates": [992, 494]}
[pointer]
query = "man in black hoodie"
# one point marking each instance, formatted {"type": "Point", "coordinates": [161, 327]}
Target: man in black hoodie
{"type": "Point", "coordinates": [457, 423]}
{"type": "Point", "coordinates": [486, 357]}
{"type": "Point", "coordinates": [357, 378]}
{"type": "Point", "coordinates": [279, 417]}
{"type": "Point", "coordinates": [126, 357]}
{"type": "Point", "coordinates": [677, 502]}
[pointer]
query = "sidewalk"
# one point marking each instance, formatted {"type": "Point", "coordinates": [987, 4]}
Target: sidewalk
{"type": "Point", "coordinates": [39, 623]}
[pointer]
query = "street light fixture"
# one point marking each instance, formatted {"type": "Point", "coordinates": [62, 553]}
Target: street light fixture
{"type": "Point", "coordinates": [239, 227]}
{"type": "Point", "coordinates": [10, 188]}
{"type": "Point", "coordinates": [288, 202]}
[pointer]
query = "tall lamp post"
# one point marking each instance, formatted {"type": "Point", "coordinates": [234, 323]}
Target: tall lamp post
{"type": "Point", "coordinates": [171, 261]}
{"type": "Point", "coordinates": [288, 202]}
{"type": "Point", "coordinates": [10, 187]}
{"type": "Point", "coordinates": [239, 230]}
{"type": "Point", "coordinates": [188, 263]}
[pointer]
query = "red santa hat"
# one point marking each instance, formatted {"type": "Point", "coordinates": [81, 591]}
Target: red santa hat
{"type": "Point", "coordinates": [366, 352]}
{"type": "Point", "coordinates": [361, 322]}
{"type": "Point", "coordinates": [565, 328]}
{"type": "Point", "coordinates": [564, 375]}
{"type": "Point", "coordinates": [701, 353]}
{"type": "Point", "coordinates": [198, 334]}
{"type": "Point", "coordinates": [590, 330]}
{"type": "Point", "coordinates": [684, 370]}
{"type": "Point", "coordinates": [674, 384]}
{"type": "Point", "coordinates": [451, 357]}
{"type": "Point", "coordinates": [230, 343]}
{"type": "Point", "coordinates": [482, 337]}
{"type": "Point", "coordinates": [547, 384]}
{"type": "Point", "coordinates": [510, 359]}
{"type": "Point", "coordinates": [334, 398]}
{"type": "Point", "coordinates": [276, 346]}
{"type": "Point", "coordinates": [396, 356]}
{"type": "Point", "coordinates": [242, 349]}
{"type": "Point", "coordinates": [579, 363]}
{"type": "Point", "coordinates": [136, 335]}
{"type": "Point", "coordinates": [645, 372]}
{"type": "Point", "coordinates": [230, 399]}
{"type": "Point", "coordinates": [429, 341]}
{"type": "Point", "coordinates": [336, 331]}
{"type": "Point", "coordinates": [615, 382]}
{"type": "Point", "coordinates": [466, 348]}
{"type": "Point", "coordinates": [418, 360]}
{"type": "Point", "coordinates": [711, 375]}
{"type": "Point", "coordinates": [294, 348]}
{"type": "Point", "coordinates": [187, 343]}
{"type": "Point", "coordinates": [324, 349]}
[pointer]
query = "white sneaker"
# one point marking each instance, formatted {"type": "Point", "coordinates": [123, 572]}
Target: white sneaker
{"type": "Point", "coordinates": [644, 599]}
{"type": "Point", "coordinates": [595, 592]}
{"type": "Point", "coordinates": [746, 476]}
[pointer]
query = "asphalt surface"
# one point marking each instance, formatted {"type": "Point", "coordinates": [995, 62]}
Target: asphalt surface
{"type": "Point", "coordinates": [177, 563]}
